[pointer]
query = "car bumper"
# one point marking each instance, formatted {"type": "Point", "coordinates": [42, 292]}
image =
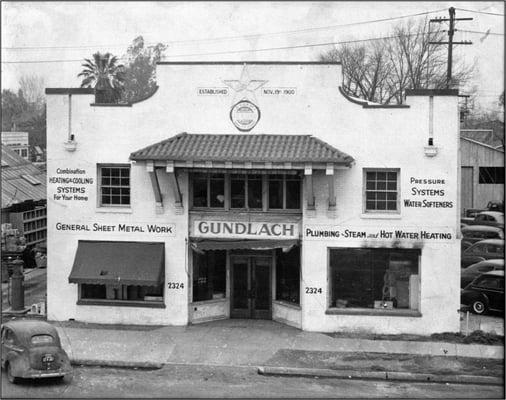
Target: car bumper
{"type": "Point", "coordinates": [45, 374]}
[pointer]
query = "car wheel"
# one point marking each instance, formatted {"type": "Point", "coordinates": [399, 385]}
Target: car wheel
{"type": "Point", "coordinates": [11, 378]}
{"type": "Point", "coordinates": [479, 307]}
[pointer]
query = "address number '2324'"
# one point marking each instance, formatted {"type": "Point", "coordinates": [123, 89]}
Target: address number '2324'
{"type": "Point", "coordinates": [313, 290]}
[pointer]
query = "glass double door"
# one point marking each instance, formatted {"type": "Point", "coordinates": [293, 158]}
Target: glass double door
{"type": "Point", "coordinates": [251, 287]}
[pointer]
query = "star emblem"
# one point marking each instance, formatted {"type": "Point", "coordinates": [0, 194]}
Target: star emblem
{"type": "Point", "coordinates": [245, 87]}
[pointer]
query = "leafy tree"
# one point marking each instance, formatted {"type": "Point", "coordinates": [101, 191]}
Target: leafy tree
{"type": "Point", "coordinates": [105, 75]}
{"type": "Point", "coordinates": [140, 71]}
{"type": "Point", "coordinates": [14, 109]}
{"type": "Point", "coordinates": [381, 70]}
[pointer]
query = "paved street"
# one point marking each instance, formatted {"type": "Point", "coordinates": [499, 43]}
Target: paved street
{"type": "Point", "coordinates": [196, 381]}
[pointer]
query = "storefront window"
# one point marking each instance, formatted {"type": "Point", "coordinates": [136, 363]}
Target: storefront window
{"type": "Point", "coordinates": [209, 275]}
{"type": "Point", "coordinates": [114, 185]}
{"type": "Point", "coordinates": [121, 292]}
{"type": "Point", "coordinates": [288, 275]}
{"type": "Point", "coordinates": [381, 190]}
{"type": "Point", "coordinates": [374, 278]}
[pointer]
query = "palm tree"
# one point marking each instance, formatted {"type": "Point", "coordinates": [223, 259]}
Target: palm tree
{"type": "Point", "coordinates": [105, 75]}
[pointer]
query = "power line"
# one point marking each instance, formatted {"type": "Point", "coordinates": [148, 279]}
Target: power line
{"type": "Point", "coordinates": [480, 32]}
{"type": "Point", "coordinates": [235, 51]}
{"type": "Point", "coordinates": [223, 38]}
{"type": "Point", "coordinates": [479, 12]}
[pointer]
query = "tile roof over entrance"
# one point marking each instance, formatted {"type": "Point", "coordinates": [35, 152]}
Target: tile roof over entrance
{"type": "Point", "coordinates": [243, 148]}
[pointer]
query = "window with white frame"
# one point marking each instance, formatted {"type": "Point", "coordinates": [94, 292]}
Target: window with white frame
{"type": "Point", "coordinates": [114, 185]}
{"type": "Point", "coordinates": [381, 190]}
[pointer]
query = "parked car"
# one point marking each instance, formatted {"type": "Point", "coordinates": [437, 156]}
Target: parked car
{"type": "Point", "coordinates": [485, 293]}
{"type": "Point", "coordinates": [468, 274]}
{"type": "Point", "coordinates": [32, 349]}
{"type": "Point", "coordinates": [496, 206]}
{"type": "Point", "coordinates": [492, 218]}
{"type": "Point", "coordinates": [475, 233]}
{"type": "Point", "coordinates": [481, 251]}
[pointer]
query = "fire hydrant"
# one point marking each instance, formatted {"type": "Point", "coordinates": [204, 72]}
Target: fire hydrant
{"type": "Point", "coordinates": [17, 286]}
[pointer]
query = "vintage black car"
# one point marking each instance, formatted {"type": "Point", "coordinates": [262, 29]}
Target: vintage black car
{"type": "Point", "coordinates": [485, 293]}
{"type": "Point", "coordinates": [32, 349]}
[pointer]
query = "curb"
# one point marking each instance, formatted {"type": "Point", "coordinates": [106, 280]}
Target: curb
{"type": "Point", "coordinates": [116, 364]}
{"type": "Point", "coordinates": [380, 375]}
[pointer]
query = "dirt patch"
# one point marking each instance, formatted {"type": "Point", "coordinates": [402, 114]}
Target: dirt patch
{"type": "Point", "coordinates": [476, 337]}
{"type": "Point", "coordinates": [362, 361]}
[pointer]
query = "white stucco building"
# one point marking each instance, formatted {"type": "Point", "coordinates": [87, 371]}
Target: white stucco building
{"type": "Point", "coordinates": [254, 190]}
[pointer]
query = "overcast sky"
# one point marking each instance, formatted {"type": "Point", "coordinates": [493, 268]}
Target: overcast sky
{"type": "Point", "coordinates": [66, 32]}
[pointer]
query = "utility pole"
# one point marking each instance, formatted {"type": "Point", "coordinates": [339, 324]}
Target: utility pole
{"type": "Point", "coordinates": [450, 41]}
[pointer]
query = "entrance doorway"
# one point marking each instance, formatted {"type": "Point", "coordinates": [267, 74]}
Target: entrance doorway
{"type": "Point", "coordinates": [251, 286]}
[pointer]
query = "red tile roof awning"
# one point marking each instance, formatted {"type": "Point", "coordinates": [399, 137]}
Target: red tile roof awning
{"type": "Point", "coordinates": [243, 148]}
{"type": "Point", "coordinates": [127, 263]}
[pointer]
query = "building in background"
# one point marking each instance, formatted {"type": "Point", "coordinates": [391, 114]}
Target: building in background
{"type": "Point", "coordinates": [255, 190]}
{"type": "Point", "coordinates": [482, 171]}
{"type": "Point", "coordinates": [17, 142]}
{"type": "Point", "coordinates": [24, 197]}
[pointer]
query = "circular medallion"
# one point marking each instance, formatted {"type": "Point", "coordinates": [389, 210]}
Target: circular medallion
{"type": "Point", "coordinates": [244, 115]}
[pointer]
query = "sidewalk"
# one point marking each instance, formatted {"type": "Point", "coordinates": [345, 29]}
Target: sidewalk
{"type": "Point", "coordinates": [248, 343]}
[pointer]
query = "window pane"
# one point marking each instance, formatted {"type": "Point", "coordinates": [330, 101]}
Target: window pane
{"type": "Point", "coordinates": [371, 175]}
{"type": "Point", "coordinates": [199, 190]}
{"type": "Point", "coordinates": [237, 191]}
{"type": "Point", "coordinates": [293, 194]}
{"type": "Point", "coordinates": [288, 275]}
{"type": "Point", "coordinates": [255, 191]}
{"type": "Point", "coordinates": [381, 186]}
{"type": "Point", "coordinates": [209, 275]}
{"type": "Point", "coordinates": [275, 193]}
{"type": "Point", "coordinates": [217, 190]}
{"type": "Point", "coordinates": [362, 277]}
{"type": "Point", "coordinates": [93, 291]}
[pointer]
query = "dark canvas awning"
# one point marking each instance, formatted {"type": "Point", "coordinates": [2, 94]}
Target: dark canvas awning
{"type": "Point", "coordinates": [217, 244]}
{"type": "Point", "coordinates": [127, 263]}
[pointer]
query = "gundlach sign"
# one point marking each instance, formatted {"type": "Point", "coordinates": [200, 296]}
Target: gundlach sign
{"type": "Point", "coordinates": [251, 230]}
{"type": "Point", "coordinates": [70, 184]}
{"type": "Point", "coordinates": [428, 193]}
{"type": "Point", "coordinates": [134, 228]}
{"type": "Point", "coordinates": [366, 233]}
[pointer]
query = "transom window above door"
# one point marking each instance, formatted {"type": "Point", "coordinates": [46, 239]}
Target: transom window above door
{"type": "Point", "coordinates": [246, 191]}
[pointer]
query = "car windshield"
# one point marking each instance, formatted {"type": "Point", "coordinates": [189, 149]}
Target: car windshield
{"type": "Point", "coordinates": [42, 339]}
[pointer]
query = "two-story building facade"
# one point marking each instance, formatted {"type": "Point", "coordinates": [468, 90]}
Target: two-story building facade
{"type": "Point", "coordinates": [254, 190]}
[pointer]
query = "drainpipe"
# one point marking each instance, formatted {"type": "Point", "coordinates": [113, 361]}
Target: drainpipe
{"type": "Point", "coordinates": [430, 149]}
{"type": "Point", "coordinates": [71, 136]}
{"type": "Point", "coordinates": [70, 144]}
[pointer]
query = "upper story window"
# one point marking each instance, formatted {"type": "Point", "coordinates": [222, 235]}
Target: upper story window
{"type": "Point", "coordinates": [381, 190]}
{"type": "Point", "coordinates": [491, 175]}
{"type": "Point", "coordinates": [209, 190]}
{"type": "Point", "coordinates": [114, 185]}
{"type": "Point", "coordinates": [241, 191]}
